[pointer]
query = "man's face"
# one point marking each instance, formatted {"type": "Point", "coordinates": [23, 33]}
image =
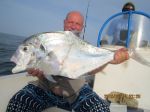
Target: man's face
{"type": "Point", "coordinates": [73, 22]}
{"type": "Point", "coordinates": [128, 8]}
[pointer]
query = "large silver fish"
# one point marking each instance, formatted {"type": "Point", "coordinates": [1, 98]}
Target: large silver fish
{"type": "Point", "coordinates": [59, 53]}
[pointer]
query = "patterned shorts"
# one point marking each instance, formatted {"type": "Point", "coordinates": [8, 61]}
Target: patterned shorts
{"type": "Point", "coordinates": [34, 99]}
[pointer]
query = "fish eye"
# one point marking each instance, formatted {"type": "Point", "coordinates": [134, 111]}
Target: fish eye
{"type": "Point", "coordinates": [25, 49]}
{"type": "Point", "coordinates": [42, 47]}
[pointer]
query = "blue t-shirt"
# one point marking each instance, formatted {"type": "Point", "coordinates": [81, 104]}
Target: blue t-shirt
{"type": "Point", "coordinates": [118, 29]}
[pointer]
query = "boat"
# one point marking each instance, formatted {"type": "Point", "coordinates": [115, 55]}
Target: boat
{"type": "Point", "coordinates": [130, 77]}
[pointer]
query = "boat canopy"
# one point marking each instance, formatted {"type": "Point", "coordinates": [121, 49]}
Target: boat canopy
{"type": "Point", "coordinates": [129, 29]}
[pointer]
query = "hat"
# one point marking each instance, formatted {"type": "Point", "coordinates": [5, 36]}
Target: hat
{"type": "Point", "coordinates": [128, 6]}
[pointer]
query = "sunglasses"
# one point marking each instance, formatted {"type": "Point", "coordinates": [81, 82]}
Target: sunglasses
{"type": "Point", "coordinates": [127, 9]}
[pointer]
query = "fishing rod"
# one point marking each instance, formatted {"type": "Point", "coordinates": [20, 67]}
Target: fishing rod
{"type": "Point", "coordinates": [86, 17]}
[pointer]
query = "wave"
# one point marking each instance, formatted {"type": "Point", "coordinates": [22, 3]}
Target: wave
{"type": "Point", "coordinates": [8, 45]}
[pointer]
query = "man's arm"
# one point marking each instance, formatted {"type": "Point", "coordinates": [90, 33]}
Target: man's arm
{"type": "Point", "coordinates": [120, 56]}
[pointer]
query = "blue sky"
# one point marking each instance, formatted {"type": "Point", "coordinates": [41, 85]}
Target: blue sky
{"type": "Point", "coordinates": [27, 17]}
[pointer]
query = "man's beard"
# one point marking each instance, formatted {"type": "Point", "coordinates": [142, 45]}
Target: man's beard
{"type": "Point", "coordinates": [77, 33]}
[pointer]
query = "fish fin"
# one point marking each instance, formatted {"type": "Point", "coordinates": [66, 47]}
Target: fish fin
{"type": "Point", "coordinates": [50, 78]}
{"type": "Point", "coordinates": [138, 58]}
{"type": "Point", "coordinates": [93, 72]}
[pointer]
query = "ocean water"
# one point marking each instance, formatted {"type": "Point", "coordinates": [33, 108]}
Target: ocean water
{"type": "Point", "coordinates": [8, 45]}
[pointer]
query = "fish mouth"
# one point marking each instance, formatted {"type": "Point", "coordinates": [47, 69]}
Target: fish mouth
{"type": "Point", "coordinates": [17, 69]}
{"type": "Point", "coordinates": [13, 59]}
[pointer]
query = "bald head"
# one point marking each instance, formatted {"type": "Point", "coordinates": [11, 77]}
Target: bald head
{"type": "Point", "coordinates": [74, 21]}
{"type": "Point", "coordinates": [76, 14]}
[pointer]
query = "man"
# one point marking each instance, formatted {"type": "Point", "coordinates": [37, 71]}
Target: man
{"type": "Point", "coordinates": [66, 93]}
{"type": "Point", "coordinates": [74, 22]}
{"type": "Point", "coordinates": [118, 28]}
{"type": "Point", "coordinates": [128, 7]}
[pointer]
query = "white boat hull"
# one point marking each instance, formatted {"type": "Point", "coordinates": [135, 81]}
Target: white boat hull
{"type": "Point", "coordinates": [129, 77]}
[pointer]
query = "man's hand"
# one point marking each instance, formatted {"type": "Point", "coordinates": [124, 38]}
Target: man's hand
{"type": "Point", "coordinates": [120, 56]}
{"type": "Point", "coordinates": [35, 72]}
{"type": "Point", "coordinates": [57, 90]}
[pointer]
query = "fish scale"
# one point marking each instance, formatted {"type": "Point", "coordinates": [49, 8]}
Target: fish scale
{"type": "Point", "coordinates": [64, 54]}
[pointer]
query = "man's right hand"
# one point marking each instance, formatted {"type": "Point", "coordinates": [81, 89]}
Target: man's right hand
{"type": "Point", "coordinates": [57, 90]}
{"type": "Point", "coordinates": [35, 73]}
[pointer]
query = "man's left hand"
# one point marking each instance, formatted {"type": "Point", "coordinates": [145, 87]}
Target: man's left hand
{"type": "Point", "coordinates": [120, 56]}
